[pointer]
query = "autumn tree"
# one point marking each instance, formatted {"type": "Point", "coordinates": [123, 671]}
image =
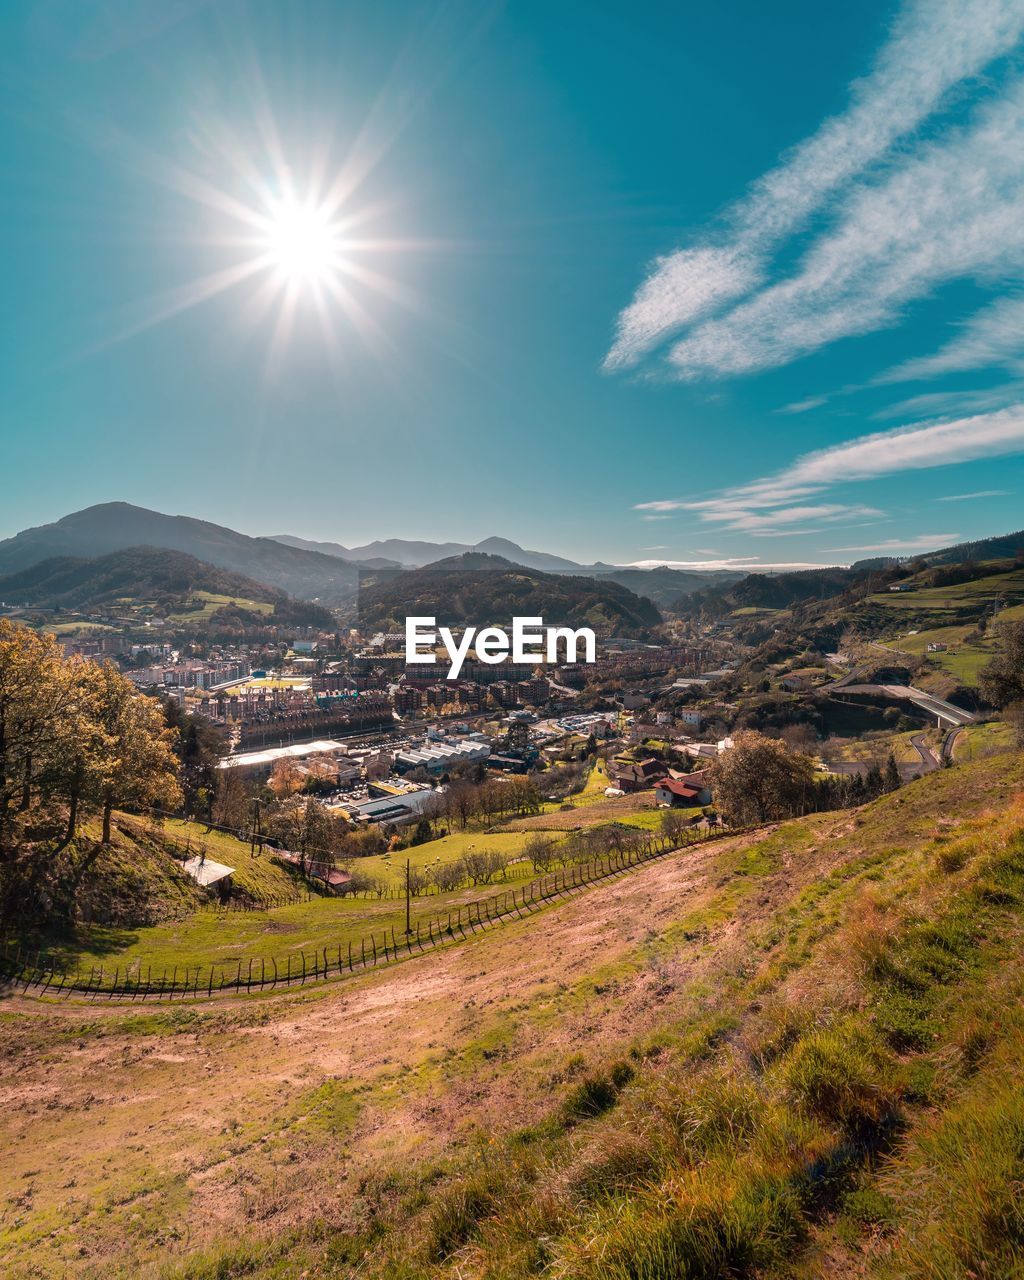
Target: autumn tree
{"type": "Point", "coordinates": [760, 780]}
{"type": "Point", "coordinates": [134, 764]}
{"type": "Point", "coordinates": [36, 692]}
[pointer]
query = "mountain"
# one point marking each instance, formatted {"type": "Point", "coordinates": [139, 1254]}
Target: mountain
{"type": "Point", "coordinates": [479, 589]}
{"type": "Point", "coordinates": [1003, 546]}
{"type": "Point", "coordinates": [335, 549]}
{"type": "Point", "coordinates": [168, 579]}
{"type": "Point", "coordinates": [414, 555]}
{"type": "Point", "coordinates": [666, 586]}
{"type": "Point", "coordinates": [117, 526]}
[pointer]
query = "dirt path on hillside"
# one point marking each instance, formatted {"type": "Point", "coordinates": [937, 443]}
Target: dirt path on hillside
{"type": "Point", "coordinates": [224, 1115]}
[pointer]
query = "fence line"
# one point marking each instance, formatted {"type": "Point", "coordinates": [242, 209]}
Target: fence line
{"type": "Point", "coordinates": [40, 972]}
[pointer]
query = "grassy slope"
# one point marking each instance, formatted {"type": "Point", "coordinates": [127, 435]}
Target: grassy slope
{"type": "Point", "coordinates": [799, 1054]}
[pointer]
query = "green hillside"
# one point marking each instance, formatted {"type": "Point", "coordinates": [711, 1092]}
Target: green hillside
{"type": "Point", "coordinates": [170, 583]}
{"type": "Point", "coordinates": [797, 1053]}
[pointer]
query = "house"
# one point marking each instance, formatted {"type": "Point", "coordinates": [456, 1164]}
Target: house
{"type": "Point", "coordinates": [795, 683]}
{"type": "Point", "coordinates": [637, 775]}
{"type": "Point", "coordinates": [936, 646]}
{"type": "Point", "coordinates": [900, 586]}
{"type": "Point", "coordinates": [673, 794]}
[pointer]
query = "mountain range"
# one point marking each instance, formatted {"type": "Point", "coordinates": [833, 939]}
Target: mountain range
{"type": "Point", "coordinates": [330, 573]}
{"type": "Point", "coordinates": [414, 555]}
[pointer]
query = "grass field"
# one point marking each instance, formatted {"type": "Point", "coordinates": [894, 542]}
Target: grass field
{"type": "Point", "coordinates": [211, 603]}
{"type": "Point", "coordinates": [976, 741]}
{"type": "Point", "coordinates": [77, 628]}
{"type": "Point", "coordinates": [799, 1054]}
{"type": "Point", "coordinates": [982, 591]}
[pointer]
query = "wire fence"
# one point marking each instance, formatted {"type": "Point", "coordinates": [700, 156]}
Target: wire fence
{"type": "Point", "coordinates": [44, 975]}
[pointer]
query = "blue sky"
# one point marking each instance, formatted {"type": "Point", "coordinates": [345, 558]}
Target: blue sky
{"type": "Point", "coordinates": [640, 282]}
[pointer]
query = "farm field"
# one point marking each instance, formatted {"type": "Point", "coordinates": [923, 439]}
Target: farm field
{"type": "Point", "coordinates": [565, 1078]}
{"type": "Point", "coordinates": [211, 603]}
{"type": "Point", "coordinates": [980, 592]}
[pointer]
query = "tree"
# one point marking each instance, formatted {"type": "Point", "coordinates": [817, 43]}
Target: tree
{"type": "Point", "coordinates": [37, 689]}
{"type": "Point", "coordinates": [1002, 681]}
{"type": "Point", "coordinates": [423, 832]}
{"type": "Point", "coordinates": [231, 800]}
{"type": "Point", "coordinates": [760, 780]}
{"type": "Point", "coordinates": [135, 764]}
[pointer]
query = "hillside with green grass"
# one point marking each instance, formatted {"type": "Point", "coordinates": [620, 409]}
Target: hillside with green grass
{"type": "Point", "coordinates": [792, 1053]}
{"type": "Point", "coordinates": [140, 579]}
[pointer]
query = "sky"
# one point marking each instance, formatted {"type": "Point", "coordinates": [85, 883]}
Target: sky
{"type": "Point", "coordinates": [653, 283]}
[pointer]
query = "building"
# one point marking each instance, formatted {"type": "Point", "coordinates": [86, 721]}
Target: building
{"type": "Point", "coordinates": [686, 790]}
{"type": "Point", "coordinates": [534, 692]}
{"type": "Point", "coordinates": [637, 775]}
{"type": "Point", "coordinates": [440, 756]}
{"type": "Point", "coordinates": [504, 693]}
{"type": "Point", "coordinates": [408, 699]}
{"type": "Point", "coordinates": [394, 805]}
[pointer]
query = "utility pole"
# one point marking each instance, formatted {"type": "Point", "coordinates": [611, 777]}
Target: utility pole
{"type": "Point", "coordinates": [408, 896]}
{"type": "Point", "coordinates": [255, 826]}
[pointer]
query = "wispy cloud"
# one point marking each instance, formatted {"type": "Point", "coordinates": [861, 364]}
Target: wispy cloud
{"type": "Point", "coordinates": [993, 336]}
{"type": "Point", "coordinates": [922, 542]}
{"type": "Point", "coordinates": [661, 505]}
{"type": "Point", "coordinates": [933, 46]}
{"type": "Point", "coordinates": [981, 493]}
{"type": "Point", "coordinates": [746, 564]}
{"type": "Point", "coordinates": [779, 500]}
{"type": "Point", "coordinates": [804, 406]}
{"type": "Point", "coordinates": [950, 212]}
{"type": "Point", "coordinates": [934, 404]}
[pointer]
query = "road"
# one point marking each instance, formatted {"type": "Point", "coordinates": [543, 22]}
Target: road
{"type": "Point", "coordinates": [929, 760]}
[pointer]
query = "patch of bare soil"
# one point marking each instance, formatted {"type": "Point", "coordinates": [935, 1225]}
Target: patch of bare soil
{"type": "Point", "coordinates": [218, 1120]}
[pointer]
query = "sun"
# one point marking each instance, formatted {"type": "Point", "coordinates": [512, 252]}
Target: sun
{"type": "Point", "coordinates": [302, 242]}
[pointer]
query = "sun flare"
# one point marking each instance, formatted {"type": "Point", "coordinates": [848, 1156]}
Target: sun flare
{"type": "Point", "coordinates": [302, 242]}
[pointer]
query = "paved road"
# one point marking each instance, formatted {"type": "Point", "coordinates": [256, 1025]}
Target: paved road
{"type": "Point", "coordinates": [929, 760]}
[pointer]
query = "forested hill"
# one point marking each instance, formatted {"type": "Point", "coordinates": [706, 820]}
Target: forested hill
{"type": "Point", "coordinates": [479, 590]}
{"type": "Point", "coordinates": [167, 579]}
{"type": "Point", "coordinates": [775, 591]}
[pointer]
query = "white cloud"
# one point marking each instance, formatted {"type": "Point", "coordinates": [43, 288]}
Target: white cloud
{"type": "Point", "coordinates": [982, 493]}
{"type": "Point", "coordinates": [953, 211]}
{"type": "Point", "coordinates": [776, 501]}
{"type": "Point", "coordinates": [746, 564]}
{"type": "Point", "coordinates": [933, 46]}
{"type": "Point", "coordinates": [944, 403]}
{"type": "Point", "coordinates": [923, 542]}
{"type": "Point", "coordinates": [993, 336]}
{"type": "Point", "coordinates": [660, 505]}
{"type": "Point", "coordinates": [804, 406]}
